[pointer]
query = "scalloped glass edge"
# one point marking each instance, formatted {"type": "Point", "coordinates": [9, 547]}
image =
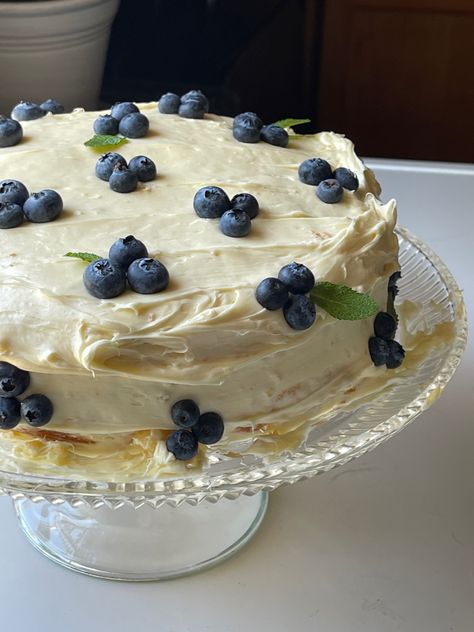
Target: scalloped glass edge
{"type": "Point", "coordinates": [259, 475]}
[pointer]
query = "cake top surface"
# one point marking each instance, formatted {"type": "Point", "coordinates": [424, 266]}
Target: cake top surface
{"type": "Point", "coordinates": [207, 320]}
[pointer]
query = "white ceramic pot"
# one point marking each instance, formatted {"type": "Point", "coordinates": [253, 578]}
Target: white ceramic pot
{"type": "Point", "coordinates": [54, 48]}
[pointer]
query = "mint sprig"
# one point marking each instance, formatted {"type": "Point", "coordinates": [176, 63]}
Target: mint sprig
{"type": "Point", "coordinates": [88, 257]}
{"type": "Point", "coordinates": [291, 122]}
{"type": "Point", "coordinates": [105, 141]}
{"type": "Point", "coordinates": [342, 302]}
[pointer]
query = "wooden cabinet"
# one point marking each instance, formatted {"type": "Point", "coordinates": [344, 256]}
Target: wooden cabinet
{"type": "Point", "coordinates": [397, 76]}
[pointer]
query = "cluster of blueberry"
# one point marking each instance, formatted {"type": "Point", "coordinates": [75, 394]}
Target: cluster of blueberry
{"type": "Point", "coordinates": [125, 118]}
{"type": "Point", "coordinates": [16, 204]}
{"type": "Point", "coordinates": [329, 184]}
{"type": "Point", "coordinates": [383, 348]}
{"type": "Point", "coordinates": [36, 409]}
{"type": "Point", "coordinates": [128, 261]}
{"type": "Point", "coordinates": [235, 216]}
{"type": "Point", "coordinates": [123, 178]}
{"type": "Point", "coordinates": [193, 428]}
{"type": "Point", "coordinates": [28, 111]}
{"type": "Point", "coordinates": [194, 104]}
{"type": "Point", "coordinates": [289, 291]}
{"type": "Point", "coordinates": [11, 132]}
{"type": "Point", "coordinates": [249, 128]}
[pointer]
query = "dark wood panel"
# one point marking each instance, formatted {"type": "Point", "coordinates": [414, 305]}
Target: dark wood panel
{"type": "Point", "coordinates": [397, 77]}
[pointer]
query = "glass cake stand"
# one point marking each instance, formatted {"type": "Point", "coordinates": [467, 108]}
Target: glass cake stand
{"type": "Point", "coordinates": [157, 529]}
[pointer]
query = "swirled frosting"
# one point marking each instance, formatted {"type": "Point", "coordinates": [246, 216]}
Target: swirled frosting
{"type": "Point", "coordinates": [117, 365]}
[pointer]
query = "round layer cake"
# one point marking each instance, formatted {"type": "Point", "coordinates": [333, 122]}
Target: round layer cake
{"type": "Point", "coordinates": [114, 367]}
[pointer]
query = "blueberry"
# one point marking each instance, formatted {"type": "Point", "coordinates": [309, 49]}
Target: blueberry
{"type": "Point", "coordinates": [119, 110]}
{"type": "Point", "coordinates": [11, 132]}
{"type": "Point", "coordinates": [196, 95]}
{"type": "Point", "coordinates": [235, 223]}
{"type": "Point", "coordinates": [125, 250]}
{"type": "Point", "coordinates": [106, 124]}
{"type": "Point", "coordinates": [147, 276]}
{"type": "Point", "coordinates": [183, 444]}
{"type": "Point", "coordinates": [122, 180]}
{"type": "Point", "coordinates": [27, 111]}
{"type": "Point", "coordinates": [211, 202]}
{"type": "Point", "coordinates": [298, 278]}
{"type": "Point", "coordinates": [245, 202]}
{"type": "Point", "coordinates": [274, 135]}
{"type": "Point", "coordinates": [143, 168]}
{"type": "Point", "coordinates": [106, 163]}
{"type": "Point", "coordinates": [385, 326]}
{"type": "Point", "coordinates": [346, 178]}
{"type": "Point", "coordinates": [37, 410]}
{"type": "Point", "coordinates": [11, 215]}
{"type": "Point", "coordinates": [13, 191]}
{"type": "Point", "coordinates": [13, 381]}
{"type": "Point", "coordinates": [271, 293]}
{"type": "Point", "coordinates": [169, 103]}
{"type": "Point", "coordinates": [314, 170]}
{"type": "Point", "coordinates": [249, 118]}
{"type": "Point", "coordinates": [134, 125]}
{"type": "Point", "coordinates": [103, 279]}
{"type": "Point", "coordinates": [396, 354]}
{"type": "Point", "coordinates": [10, 413]}
{"type": "Point", "coordinates": [378, 349]}
{"type": "Point", "coordinates": [185, 413]}
{"type": "Point", "coordinates": [299, 312]}
{"type": "Point", "coordinates": [246, 127]}
{"type": "Point", "coordinates": [209, 428]}
{"type": "Point", "coordinates": [51, 105]}
{"type": "Point", "coordinates": [191, 109]}
{"type": "Point", "coordinates": [329, 191]}
{"type": "Point", "coordinates": [392, 283]}
{"type": "Point", "coordinates": [44, 206]}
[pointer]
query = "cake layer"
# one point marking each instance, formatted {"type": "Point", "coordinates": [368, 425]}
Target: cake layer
{"type": "Point", "coordinates": [118, 365]}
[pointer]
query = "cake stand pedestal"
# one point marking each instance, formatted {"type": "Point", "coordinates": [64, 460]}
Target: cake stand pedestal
{"type": "Point", "coordinates": [167, 527]}
{"type": "Point", "coordinates": [144, 543]}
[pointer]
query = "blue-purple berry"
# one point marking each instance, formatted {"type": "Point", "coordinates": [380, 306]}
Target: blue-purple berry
{"type": "Point", "coordinates": [13, 191]}
{"type": "Point", "coordinates": [11, 215]}
{"type": "Point", "coordinates": [37, 410]}
{"type": "Point", "coordinates": [134, 125]}
{"type": "Point", "coordinates": [119, 110]}
{"type": "Point", "coordinates": [378, 350]}
{"type": "Point", "coordinates": [346, 178]}
{"type": "Point", "coordinates": [183, 444]}
{"type": "Point", "coordinates": [52, 106]}
{"type": "Point", "coordinates": [106, 124]}
{"type": "Point", "coordinates": [385, 326]}
{"type": "Point", "coordinates": [245, 202]}
{"type": "Point", "coordinates": [144, 168]}
{"type": "Point", "coordinates": [122, 180]}
{"type": "Point", "coordinates": [11, 132]}
{"type": "Point", "coordinates": [329, 191]}
{"type": "Point", "coordinates": [185, 413]}
{"type": "Point", "coordinates": [10, 413]}
{"type": "Point", "coordinates": [211, 202]}
{"type": "Point", "coordinates": [27, 111]}
{"type": "Point", "coordinates": [271, 293]}
{"type": "Point", "coordinates": [274, 135]}
{"type": "Point", "coordinates": [104, 279]}
{"type": "Point", "coordinates": [199, 97]}
{"type": "Point", "coordinates": [169, 103]}
{"type": "Point", "coordinates": [235, 223]}
{"type": "Point", "coordinates": [297, 277]}
{"type": "Point", "coordinates": [299, 312]}
{"type": "Point", "coordinates": [13, 381]}
{"type": "Point", "coordinates": [44, 206]}
{"type": "Point", "coordinates": [396, 354]}
{"type": "Point", "coordinates": [147, 276]}
{"type": "Point", "coordinates": [106, 163]}
{"type": "Point", "coordinates": [314, 170]}
{"type": "Point", "coordinates": [209, 428]}
{"type": "Point", "coordinates": [125, 250]}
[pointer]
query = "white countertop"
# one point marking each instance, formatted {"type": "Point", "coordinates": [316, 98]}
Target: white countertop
{"type": "Point", "coordinates": [385, 543]}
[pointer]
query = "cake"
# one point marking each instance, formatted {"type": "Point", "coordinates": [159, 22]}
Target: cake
{"type": "Point", "coordinates": [113, 368]}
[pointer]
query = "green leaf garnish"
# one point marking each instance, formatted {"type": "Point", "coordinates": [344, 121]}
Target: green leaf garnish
{"type": "Point", "coordinates": [88, 257]}
{"type": "Point", "coordinates": [291, 122]}
{"type": "Point", "coordinates": [105, 141]}
{"type": "Point", "coordinates": [342, 302]}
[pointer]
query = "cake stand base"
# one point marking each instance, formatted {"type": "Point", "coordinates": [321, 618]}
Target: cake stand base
{"type": "Point", "coordinates": [141, 544]}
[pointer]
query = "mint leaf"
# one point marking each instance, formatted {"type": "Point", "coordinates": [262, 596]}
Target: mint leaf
{"type": "Point", "coordinates": [291, 122]}
{"type": "Point", "coordinates": [88, 257]}
{"type": "Point", "coordinates": [342, 302]}
{"type": "Point", "coordinates": [105, 141]}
